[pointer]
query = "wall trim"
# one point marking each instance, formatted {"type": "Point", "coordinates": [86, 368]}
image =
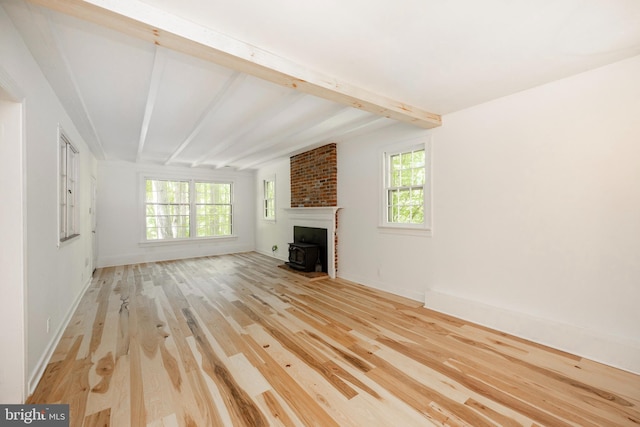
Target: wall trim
{"type": "Point", "coordinates": [613, 351]}
{"type": "Point", "coordinates": [270, 255]}
{"type": "Point", "coordinates": [405, 293]}
{"type": "Point", "coordinates": [40, 367]}
{"type": "Point", "coordinates": [138, 258]}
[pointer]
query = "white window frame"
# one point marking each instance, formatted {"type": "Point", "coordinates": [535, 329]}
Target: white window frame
{"type": "Point", "coordinates": [266, 200]}
{"type": "Point", "coordinates": [422, 229]}
{"type": "Point", "coordinates": [194, 206]}
{"type": "Point", "coordinates": [68, 188]}
{"type": "Point", "coordinates": [192, 209]}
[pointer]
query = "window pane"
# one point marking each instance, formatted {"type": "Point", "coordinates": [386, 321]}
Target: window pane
{"type": "Point", "coordinates": [418, 159]}
{"type": "Point", "coordinates": [417, 215]}
{"type": "Point", "coordinates": [417, 196]}
{"type": "Point", "coordinates": [404, 196]}
{"type": "Point", "coordinates": [406, 160]}
{"type": "Point", "coordinates": [395, 161]}
{"type": "Point", "coordinates": [396, 178]}
{"type": "Point", "coordinates": [405, 177]}
{"type": "Point", "coordinates": [418, 176]}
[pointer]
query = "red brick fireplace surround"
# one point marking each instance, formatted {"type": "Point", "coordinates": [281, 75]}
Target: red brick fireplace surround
{"type": "Point", "coordinates": [314, 178]}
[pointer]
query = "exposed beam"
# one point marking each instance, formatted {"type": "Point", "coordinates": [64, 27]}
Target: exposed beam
{"type": "Point", "coordinates": [215, 103]}
{"type": "Point", "coordinates": [251, 124]}
{"type": "Point", "coordinates": [291, 131]}
{"type": "Point", "coordinates": [159, 60]}
{"type": "Point", "coordinates": [308, 143]}
{"type": "Point", "coordinates": [142, 20]}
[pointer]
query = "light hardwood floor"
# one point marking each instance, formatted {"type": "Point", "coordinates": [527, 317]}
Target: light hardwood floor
{"type": "Point", "coordinates": [235, 341]}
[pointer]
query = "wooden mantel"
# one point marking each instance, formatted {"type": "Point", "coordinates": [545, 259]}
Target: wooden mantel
{"type": "Point", "coordinates": [318, 212]}
{"type": "Point", "coordinates": [149, 23]}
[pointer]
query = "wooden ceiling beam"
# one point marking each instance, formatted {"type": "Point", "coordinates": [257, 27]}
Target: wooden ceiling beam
{"type": "Point", "coordinates": [223, 94]}
{"type": "Point", "coordinates": [144, 21]}
{"type": "Point", "coordinates": [249, 125]}
{"type": "Point", "coordinates": [291, 131]}
{"type": "Point", "coordinates": [308, 144]}
{"type": "Point", "coordinates": [157, 70]}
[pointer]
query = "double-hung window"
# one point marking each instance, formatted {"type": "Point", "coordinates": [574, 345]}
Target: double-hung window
{"type": "Point", "coordinates": [406, 188]}
{"type": "Point", "coordinates": [68, 188]}
{"type": "Point", "coordinates": [269, 199]}
{"type": "Point", "coordinates": [183, 209]}
{"type": "Point", "coordinates": [167, 209]}
{"type": "Point", "coordinates": [213, 209]}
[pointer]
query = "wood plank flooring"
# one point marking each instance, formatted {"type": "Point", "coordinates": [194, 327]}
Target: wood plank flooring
{"type": "Point", "coordinates": [235, 341]}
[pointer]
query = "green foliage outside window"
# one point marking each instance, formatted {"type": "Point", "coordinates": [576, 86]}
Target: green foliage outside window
{"type": "Point", "coordinates": [213, 209]}
{"type": "Point", "coordinates": [405, 189]}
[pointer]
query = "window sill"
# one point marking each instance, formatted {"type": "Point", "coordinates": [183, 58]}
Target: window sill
{"type": "Point", "coordinates": [405, 231]}
{"type": "Point", "coordinates": [191, 241]}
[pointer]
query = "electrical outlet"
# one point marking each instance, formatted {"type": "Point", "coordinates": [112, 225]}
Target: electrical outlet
{"type": "Point", "coordinates": [48, 324]}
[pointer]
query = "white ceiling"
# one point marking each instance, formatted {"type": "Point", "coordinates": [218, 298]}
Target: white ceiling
{"type": "Point", "coordinates": [133, 100]}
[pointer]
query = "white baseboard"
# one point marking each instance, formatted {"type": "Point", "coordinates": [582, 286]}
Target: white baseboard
{"type": "Point", "coordinates": [152, 256]}
{"type": "Point", "coordinates": [405, 293]}
{"type": "Point", "coordinates": [613, 351]}
{"type": "Point", "coordinates": [46, 356]}
{"type": "Point", "coordinates": [271, 255]}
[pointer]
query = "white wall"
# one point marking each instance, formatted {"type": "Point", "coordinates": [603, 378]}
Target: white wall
{"type": "Point", "coordinates": [392, 261]}
{"type": "Point", "coordinates": [120, 217]}
{"type": "Point", "coordinates": [56, 277]}
{"type": "Point", "coordinates": [536, 216]}
{"type": "Point", "coordinates": [12, 276]}
{"type": "Point", "coordinates": [280, 231]}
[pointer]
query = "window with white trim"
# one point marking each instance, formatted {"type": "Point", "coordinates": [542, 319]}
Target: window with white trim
{"type": "Point", "coordinates": [183, 209]}
{"type": "Point", "coordinates": [68, 186]}
{"type": "Point", "coordinates": [269, 199]}
{"type": "Point", "coordinates": [406, 191]}
{"type": "Point", "coordinates": [213, 209]}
